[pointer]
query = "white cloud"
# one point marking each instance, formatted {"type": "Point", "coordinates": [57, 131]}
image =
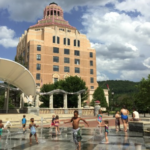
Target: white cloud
{"type": "Point", "coordinates": [101, 77]}
{"type": "Point", "coordinates": [147, 62]}
{"type": "Point", "coordinates": [121, 42]}
{"type": "Point", "coordinates": [7, 37]}
{"type": "Point", "coordinates": [31, 10]}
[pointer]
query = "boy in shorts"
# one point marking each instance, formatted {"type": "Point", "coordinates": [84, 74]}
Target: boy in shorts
{"type": "Point", "coordinates": [76, 130]}
{"type": "Point", "coordinates": [1, 128]}
{"type": "Point", "coordinates": [32, 127]}
{"type": "Point", "coordinates": [24, 121]}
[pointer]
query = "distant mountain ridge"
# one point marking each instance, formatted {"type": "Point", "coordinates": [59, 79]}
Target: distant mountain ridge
{"type": "Point", "coordinates": [120, 86]}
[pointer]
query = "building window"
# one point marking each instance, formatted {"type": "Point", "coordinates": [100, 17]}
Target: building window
{"type": "Point", "coordinates": [38, 76]}
{"type": "Point", "coordinates": [66, 60]}
{"type": "Point", "coordinates": [77, 53]}
{"type": "Point", "coordinates": [38, 66]}
{"type": "Point", "coordinates": [37, 84]}
{"type": "Point", "coordinates": [77, 61]}
{"type": "Point", "coordinates": [66, 69]}
{"type": "Point", "coordinates": [92, 87]}
{"type": "Point", "coordinates": [38, 47]}
{"type": "Point", "coordinates": [57, 40]}
{"type": "Point", "coordinates": [78, 43]}
{"type": "Point", "coordinates": [58, 13]}
{"type": "Point", "coordinates": [55, 50]}
{"type": "Point", "coordinates": [77, 70]}
{"type": "Point", "coordinates": [64, 41]}
{"type": "Point", "coordinates": [55, 80]}
{"type": "Point", "coordinates": [55, 68]}
{"type": "Point", "coordinates": [91, 63]}
{"type": "Point", "coordinates": [92, 80]}
{"type": "Point", "coordinates": [91, 54]}
{"type": "Point", "coordinates": [55, 12]}
{"type": "Point", "coordinates": [38, 57]}
{"type": "Point", "coordinates": [91, 71]}
{"type": "Point", "coordinates": [74, 42]}
{"type": "Point", "coordinates": [55, 59]}
{"type": "Point", "coordinates": [47, 13]}
{"type": "Point", "coordinates": [51, 12]}
{"type": "Point", "coordinates": [66, 51]}
{"type": "Point", "coordinates": [53, 39]}
{"type": "Point", "coordinates": [68, 41]}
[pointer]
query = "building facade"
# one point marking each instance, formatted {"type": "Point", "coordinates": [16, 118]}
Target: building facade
{"type": "Point", "coordinates": [52, 49]}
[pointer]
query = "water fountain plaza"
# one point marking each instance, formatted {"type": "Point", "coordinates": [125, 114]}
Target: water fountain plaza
{"type": "Point", "coordinates": [91, 140]}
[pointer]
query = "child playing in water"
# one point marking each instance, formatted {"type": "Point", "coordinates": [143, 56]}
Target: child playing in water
{"type": "Point", "coordinates": [32, 127]}
{"type": "Point", "coordinates": [76, 130]}
{"type": "Point", "coordinates": [24, 121]}
{"type": "Point", "coordinates": [106, 130]}
{"type": "Point", "coordinates": [117, 121]}
{"type": "Point", "coordinates": [56, 123]}
{"type": "Point", "coordinates": [1, 128]}
{"type": "Point", "coordinates": [99, 119]}
{"type": "Point", "coordinates": [53, 119]}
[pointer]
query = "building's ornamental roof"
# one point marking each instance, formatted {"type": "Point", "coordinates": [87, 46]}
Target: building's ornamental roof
{"type": "Point", "coordinates": [15, 74]}
{"type": "Point", "coordinates": [58, 91]}
{"type": "Point", "coordinates": [53, 3]}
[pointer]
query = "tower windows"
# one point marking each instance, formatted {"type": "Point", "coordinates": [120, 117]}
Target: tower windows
{"type": "Point", "coordinates": [92, 80]}
{"type": "Point", "coordinates": [77, 70]}
{"type": "Point", "coordinates": [55, 50]}
{"type": "Point", "coordinates": [66, 60]}
{"type": "Point", "coordinates": [91, 54]}
{"type": "Point", "coordinates": [57, 40]}
{"type": "Point", "coordinates": [53, 39]}
{"type": "Point", "coordinates": [77, 53]}
{"type": "Point", "coordinates": [38, 47]}
{"type": "Point", "coordinates": [38, 76]}
{"type": "Point", "coordinates": [55, 59]}
{"type": "Point", "coordinates": [66, 69]}
{"type": "Point", "coordinates": [66, 51]}
{"type": "Point", "coordinates": [74, 42]}
{"type": "Point", "coordinates": [68, 41]}
{"type": "Point", "coordinates": [38, 57]}
{"type": "Point", "coordinates": [91, 71]}
{"type": "Point", "coordinates": [55, 12]}
{"type": "Point", "coordinates": [38, 66]}
{"type": "Point", "coordinates": [55, 68]}
{"type": "Point", "coordinates": [91, 63]}
{"type": "Point", "coordinates": [78, 43]}
{"type": "Point", "coordinates": [77, 61]}
{"type": "Point", "coordinates": [64, 41]}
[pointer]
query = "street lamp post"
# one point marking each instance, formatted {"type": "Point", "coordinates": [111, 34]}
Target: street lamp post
{"type": "Point", "coordinates": [112, 93]}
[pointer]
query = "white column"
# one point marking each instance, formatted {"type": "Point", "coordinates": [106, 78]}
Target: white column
{"type": "Point", "coordinates": [37, 101]}
{"type": "Point", "coordinates": [51, 101]}
{"type": "Point", "coordinates": [65, 100]}
{"type": "Point", "coordinates": [79, 101]}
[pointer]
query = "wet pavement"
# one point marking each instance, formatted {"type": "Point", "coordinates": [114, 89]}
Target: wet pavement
{"type": "Point", "coordinates": [92, 139]}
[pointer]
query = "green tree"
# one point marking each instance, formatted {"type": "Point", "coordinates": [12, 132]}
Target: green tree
{"type": "Point", "coordinates": [143, 97]}
{"type": "Point", "coordinates": [70, 84]}
{"type": "Point", "coordinates": [99, 95]}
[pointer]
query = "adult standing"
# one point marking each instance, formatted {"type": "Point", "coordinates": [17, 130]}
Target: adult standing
{"type": "Point", "coordinates": [124, 117]}
{"type": "Point", "coordinates": [135, 115]}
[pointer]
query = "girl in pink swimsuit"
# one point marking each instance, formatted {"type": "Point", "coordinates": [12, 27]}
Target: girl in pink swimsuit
{"type": "Point", "coordinates": [56, 122]}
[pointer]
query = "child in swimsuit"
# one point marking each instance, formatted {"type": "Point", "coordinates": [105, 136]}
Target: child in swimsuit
{"type": "Point", "coordinates": [53, 119]}
{"type": "Point", "coordinates": [56, 124]}
{"type": "Point", "coordinates": [24, 123]}
{"type": "Point", "coordinates": [76, 130]}
{"type": "Point", "coordinates": [32, 127]}
{"type": "Point", "coordinates": [99, 120]}
{"type": "Point", "coordinates": [106, 123]}
{"type": "Point", "coordinates": [117, 121]}
{"type": "Point", "coordinates": [1, 128]}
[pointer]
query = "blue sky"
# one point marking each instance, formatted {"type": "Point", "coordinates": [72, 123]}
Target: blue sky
{"type": "Point", "coordinates": [119, 30]}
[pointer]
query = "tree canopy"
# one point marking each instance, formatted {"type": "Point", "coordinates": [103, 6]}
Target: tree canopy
{"type": "Point", "coordinates": [70, 84]}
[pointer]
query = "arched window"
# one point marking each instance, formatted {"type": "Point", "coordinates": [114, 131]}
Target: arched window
{"type": "Point", "coordinates": [47, 13]}
{"type": "Point", "coordinates": [55, 12]}
{"type": "Point", "coordinates": [58, 13]}
{"type": "Point", "coordinates": [51, 12]}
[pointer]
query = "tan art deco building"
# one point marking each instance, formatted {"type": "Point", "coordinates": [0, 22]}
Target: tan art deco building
{"type": "Point", "coordinates": [54, 50]}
